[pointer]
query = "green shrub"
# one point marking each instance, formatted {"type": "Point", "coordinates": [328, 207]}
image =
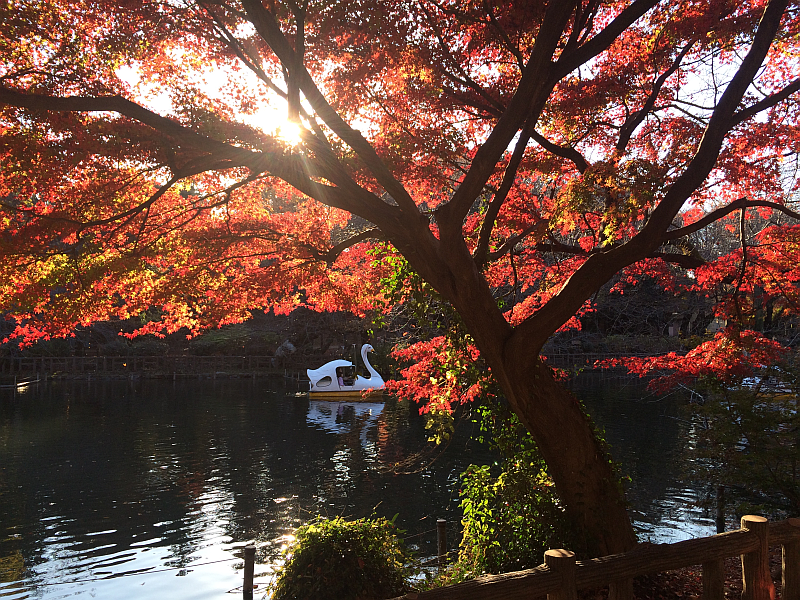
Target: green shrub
{"type": "Point", "coordinates": [116, 347]}
{"type": "Point", "coordinates": [509, 520]}
{"type": "Point", "coordinates": [52, 347]}
{"type": "Point", "coordinates": [334, 559]}
{"type": "Point", "coordinates": [262, 343]}
{"type": "Point", "coordinates": [148, 345]}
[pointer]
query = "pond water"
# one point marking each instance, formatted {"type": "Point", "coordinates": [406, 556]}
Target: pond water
{"type": "Point", "coordinates": [147, 489]}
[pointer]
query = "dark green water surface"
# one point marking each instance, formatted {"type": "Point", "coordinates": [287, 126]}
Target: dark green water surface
{"type": "Point", "coordinates": [148, 489]}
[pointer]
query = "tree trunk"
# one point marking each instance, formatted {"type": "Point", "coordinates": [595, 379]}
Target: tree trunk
{"type": "Point", "coordinates": [578, 462]}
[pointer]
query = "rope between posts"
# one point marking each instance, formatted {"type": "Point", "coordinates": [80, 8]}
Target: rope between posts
{"type": "Point", "coordinates": [238, 589]}
{"type": "Point", "coordinates": [120, 575]}
{"type": "Point", "coordinates": [427, 562]}
{"type": "Point", "coordinates": [406, 537]}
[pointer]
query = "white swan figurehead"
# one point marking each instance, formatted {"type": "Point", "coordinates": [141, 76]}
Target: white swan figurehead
{"type": "Point", "coordinates": [374, 381]}
{"type": "Point", "coordinates": [332, 376]}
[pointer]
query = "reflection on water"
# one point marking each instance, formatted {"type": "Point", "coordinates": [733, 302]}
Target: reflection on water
{"type": "Point", "coordinates": [346, 417]}
{"type": "Point", "coordinates": [647, 435]}
{"type": "Point", "coordinates": [143, 489]}
{"type": "Point", "coordinates": [115, 489]}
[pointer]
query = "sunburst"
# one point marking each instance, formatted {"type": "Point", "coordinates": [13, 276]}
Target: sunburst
{"type": "Point", "coordinates": [290, 132]}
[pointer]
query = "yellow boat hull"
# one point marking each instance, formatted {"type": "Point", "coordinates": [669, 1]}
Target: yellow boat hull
{"type": "Point", "coordinates": [349, 396]}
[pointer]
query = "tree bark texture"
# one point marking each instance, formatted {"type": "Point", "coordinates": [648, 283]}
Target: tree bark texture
{"type": "Point", "coordinates": [578, 462]}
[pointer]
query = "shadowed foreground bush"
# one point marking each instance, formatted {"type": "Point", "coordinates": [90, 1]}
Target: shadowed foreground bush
{"type": "Point", "coordinates": [509, 519]}
{"type": "Point", "coordinates": [334, 559]}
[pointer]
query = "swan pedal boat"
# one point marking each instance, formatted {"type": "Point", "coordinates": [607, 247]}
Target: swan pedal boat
{"type": "Point", "coordinates": [328, 382]}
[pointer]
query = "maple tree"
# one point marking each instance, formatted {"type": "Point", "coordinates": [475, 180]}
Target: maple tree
{"type": "Point", "coordinates": [517, 155]}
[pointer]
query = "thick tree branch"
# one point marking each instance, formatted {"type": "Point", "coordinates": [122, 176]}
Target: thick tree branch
{"type": "Point", "coordinates": [251, 62]}
{"type": "Point", "coordinates": [222, 152]}
{"type": "Point", "coordinates": [97, 222]}
{"type": "Point", "coordinates": [767, 102]}
{"type": "Point", "coordinates": [487, 8]}
{"type": "Point", "coordinates": [463, 78]}
{"type": "Point", "coordinates": [481, 109]}
{"type": "Point", "coordinates": [587, 20]}
{"type": "Point", "coordinates": [268, 28]}
{"type": "Point", "coordinates": [743, 267]}
{"type": "Point", "coordinates": [572, 60]}
{"type": "Point", "coordinates": [499, 198]}
{"type": "Point", "coordinates": [190, 213]}
{"type": "Point", "coordinates": [563, 151]}
{"type": "Point", "coordinates": [298, 171]}
{"type": "Point", "coordinates": [539, 227]}
{"type": "Point", "coordinates": [293, 82]}
{"type": "Point", "coordinates": [527, 102]}
{"type": "Point", "coordinates": [370, 234]}
{"type": "Point", "coordinates": [686, 261]}
{"type": "Point", "coordinates": [583, 16]}
{"type": "Point", "coordinates": [248, 59]}
{"type": "Point", "coordinates": [538, 79]}
{"type": "Point", "coordinates": [715, 215]}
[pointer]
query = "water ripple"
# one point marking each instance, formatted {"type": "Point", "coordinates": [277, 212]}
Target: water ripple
{"type": "Point", "coordinates": [150, 490]}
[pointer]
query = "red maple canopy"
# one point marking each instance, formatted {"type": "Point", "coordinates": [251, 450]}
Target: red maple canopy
{"type": "Point", "coordinates": [546, 147]}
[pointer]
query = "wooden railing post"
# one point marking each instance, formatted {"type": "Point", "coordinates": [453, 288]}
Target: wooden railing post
{"type": "Point", "coordinates": [714, 580]}
{"type": "Point", "coordinates": [441, 542]}
{"type": "Point", "coordinates": [562, 562]}
{"type": "Point", "coordinates": [249, 570]}
{"type": "Point", "coordinates": [791, 571]}
{"type": "Point", "coordinates": [756, 578]}
{"type": "Point", "coordinates": [720, 520]}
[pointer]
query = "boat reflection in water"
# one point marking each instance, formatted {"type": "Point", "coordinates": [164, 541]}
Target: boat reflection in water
{"type": "Point", "coordinates": [342, 417]}
{"type": "Point", "coordinates": [351, 419]}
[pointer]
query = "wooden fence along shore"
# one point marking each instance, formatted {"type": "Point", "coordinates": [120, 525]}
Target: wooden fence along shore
{"type": "Point", "coordinates": [163, 366]}
{"type": "Point", "coordinates": [111, 366]}
{"type": "Point", "coordinates": [561, 576]}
